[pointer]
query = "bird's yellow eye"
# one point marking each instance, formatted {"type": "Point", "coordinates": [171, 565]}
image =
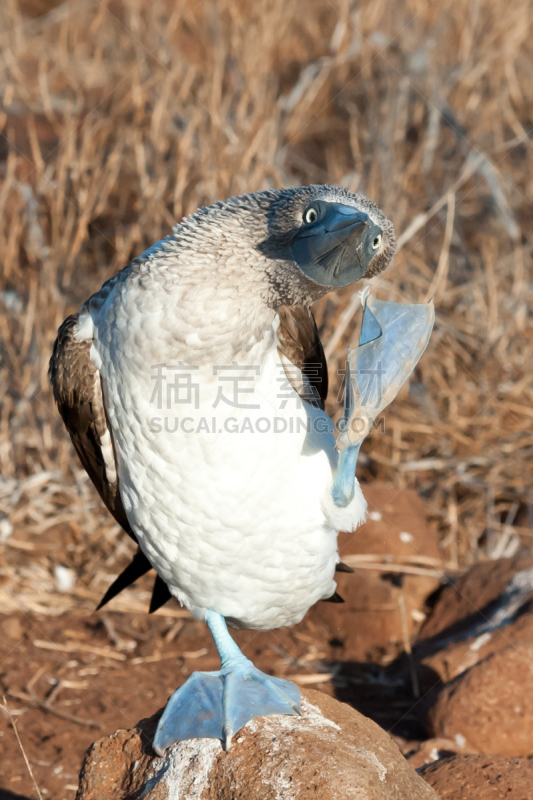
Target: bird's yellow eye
{"type": "Point", "coordinates": [377, 241]}
{"type": "Point", "coordinates": [311, 215]}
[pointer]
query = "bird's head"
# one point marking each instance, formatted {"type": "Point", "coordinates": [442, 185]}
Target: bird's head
{"type": "Point", "coordinates": [335, 237]}
{"type": "Point", "coordinates": [330, 235]}
{"type": "Point", "coordinates": [292, 245]}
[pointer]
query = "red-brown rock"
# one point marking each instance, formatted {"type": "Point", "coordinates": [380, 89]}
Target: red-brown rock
{"type": "Point", "coordinates": [115, 768]}
{"type": "Point", "coordinates": [369, 622]}
{"type": "Point", "coordinates": [458, 656]}
{"type": "Point", "coordinates": [331, 753]}
{"type": "Point", "coordinates": [469, 600]}
{"type": "Point", "coordinates": [464, 777]}
{"type": "Point", "coordinates": [489, 708]}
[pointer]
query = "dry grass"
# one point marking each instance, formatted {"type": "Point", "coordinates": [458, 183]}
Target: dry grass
{"type": "Point", "coordinates": [120, 116]}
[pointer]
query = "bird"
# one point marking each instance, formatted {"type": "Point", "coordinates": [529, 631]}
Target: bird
{"type": "Point", "coordinates": [193, 386]}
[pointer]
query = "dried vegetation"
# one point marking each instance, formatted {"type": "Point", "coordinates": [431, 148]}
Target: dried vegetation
{"type": "Point", "coordinates": [118, 117]}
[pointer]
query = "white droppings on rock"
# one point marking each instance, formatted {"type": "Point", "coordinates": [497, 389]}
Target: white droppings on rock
{"type": "Point", "coordinates": [315, 716]}
{"type": "Point", "coordinates": [270, 730]}
{"type": "Point", "coordinates": [330, 751]}
{"type": "Point", "coordinates": [185, 769]}
{"type": "Point", "coordinates": [371, 758]}
{"type": "Point", "coordinates": [284, 787]}
{"type": "Point", "coordinates": [406, 537]}
{"type": "Point", "coordinates": [312, 718]}
{"type": "Point", "coordinates": [460, 740]}
{"type": "Point", "coordinates": [375, 516]}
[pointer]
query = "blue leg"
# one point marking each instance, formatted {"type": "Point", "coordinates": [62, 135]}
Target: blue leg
{"type": "Point", "coordinates": [342, 490]}
{"type": "Point", "coordinates": [215, 705]}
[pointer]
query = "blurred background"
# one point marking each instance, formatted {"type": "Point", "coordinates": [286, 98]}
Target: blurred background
{"type": "Point", "coordinates": [118, 117]}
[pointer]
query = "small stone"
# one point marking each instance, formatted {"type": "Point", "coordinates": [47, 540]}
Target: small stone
{"type": "Point", "coordinates": [433, 750]}
{"type": "Point", "coordinates": [478, 777]}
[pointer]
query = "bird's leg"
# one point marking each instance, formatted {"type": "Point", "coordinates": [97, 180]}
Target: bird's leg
{"type": "Point", "coordinates": [248, 692]}
{"type": "Point", "coordinates": [216, 705]}
{"type": "Point", "coordinates": [343, 490]}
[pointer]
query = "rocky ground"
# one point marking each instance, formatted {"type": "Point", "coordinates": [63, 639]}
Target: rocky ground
{"type": "Point", "coordinates": [331, 751]}
{"type": "Point", "coordinates": [443, 666]}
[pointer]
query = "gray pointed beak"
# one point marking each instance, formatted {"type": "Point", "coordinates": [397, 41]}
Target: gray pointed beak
{"type": "Point", "coordinates": [343, 217]}
{"type": "Point", "coordinates": [337, 249]}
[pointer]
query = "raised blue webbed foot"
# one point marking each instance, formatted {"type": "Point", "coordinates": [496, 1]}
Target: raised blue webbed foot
{"type": "Point", "coordinates": [392, 340]}
{"type": "Point", "coordinates": [215, 705]}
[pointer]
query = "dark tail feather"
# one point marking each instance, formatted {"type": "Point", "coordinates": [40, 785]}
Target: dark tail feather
{"type": "Point", "coordinates": [340, 567]}
{"type": "Point", "coordinates": [335, 598]}
{"type": "Point", "coordinates": [160, 595]}
{"type": "Point", "coordinates": [138, 566]}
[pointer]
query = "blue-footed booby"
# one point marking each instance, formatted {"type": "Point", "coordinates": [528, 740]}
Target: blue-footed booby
{"type": "Point", "coordinates": [235, 498]}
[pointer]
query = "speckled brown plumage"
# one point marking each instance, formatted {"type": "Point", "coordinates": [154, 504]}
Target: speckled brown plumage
{"type": "Point", "coordinates": [300, 343]}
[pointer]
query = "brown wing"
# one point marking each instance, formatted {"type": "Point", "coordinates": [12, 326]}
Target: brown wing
{"type": "Point", "coordinates": [78, 393]}
{"type": "Point", "coordinates": [302, 354]}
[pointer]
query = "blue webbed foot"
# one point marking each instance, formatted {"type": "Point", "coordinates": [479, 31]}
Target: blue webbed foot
{"type": "Point", "coordinates": [215, 705]}
{"type": "Point", "coordinates": [393, 338]}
